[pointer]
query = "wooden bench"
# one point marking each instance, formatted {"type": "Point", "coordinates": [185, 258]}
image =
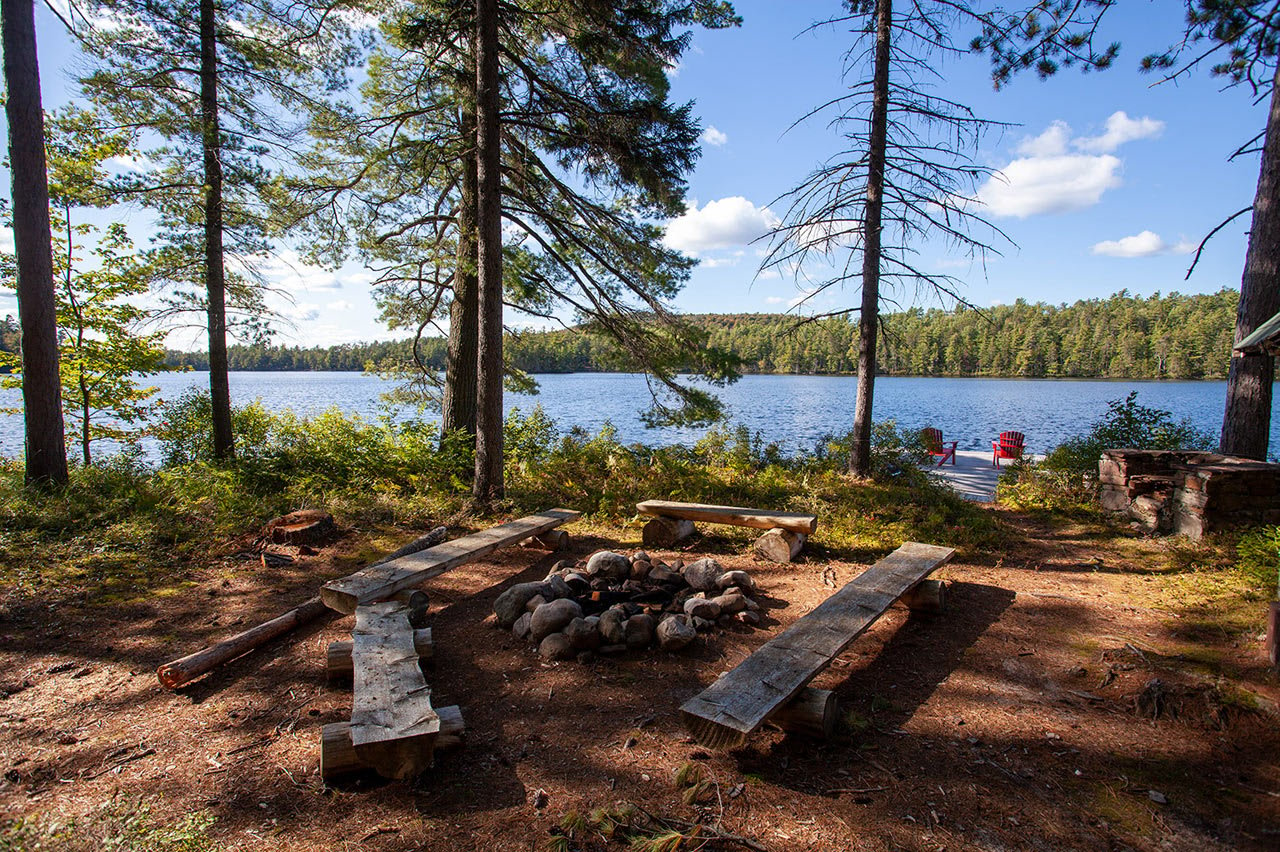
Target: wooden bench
{"type": "Point", "coordinates": [786, 531]}
{"type": "Point", "coordinates": [379, 582]}
{"type": "Point", "coordinates": [724, 713]}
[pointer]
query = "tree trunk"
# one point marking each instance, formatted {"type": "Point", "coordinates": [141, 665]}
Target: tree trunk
{"type": "Point", "coordinates": [869, 316]}
{"type": "Point", "coordinates": [1246, 423]}
{"type": "Point", "coordinates": [215, 278]}
{"type": "Point", "coordinates": [488, 480]}
{"type": "Point", "coordinates": [33, 244]}
{"type": "Point", "coordinates": [458, 408]}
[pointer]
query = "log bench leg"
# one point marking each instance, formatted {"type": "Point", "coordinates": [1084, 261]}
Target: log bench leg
{"type": "Point", "coordinates": [779, 545]}
{"type": "Point", "coordinates": [814, 713]}
{"type": "Point", "coordinates": [554, 541]}
{"type": "Point", "coordinates": [338, 756]}
{"type": "Point", "coordinates": [338, 667]}
{"type": "Point", "coordinates": [928, 597]}
{"type": "Point", "coordinates": [664, 532]}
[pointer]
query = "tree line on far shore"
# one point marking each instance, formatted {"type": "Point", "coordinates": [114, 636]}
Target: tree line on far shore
{"type": "Point", "coordinates": [1173, 336]}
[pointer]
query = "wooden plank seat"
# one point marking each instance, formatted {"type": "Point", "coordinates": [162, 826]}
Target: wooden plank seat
{"type": "Point", "coordinates": [379, 582]}
{"type": "Point", "coordinates": [727, 711]}
{"type": "Point", "coordinates": [786, 532]}
{"type": "Point", "coordinates": [393, 725]}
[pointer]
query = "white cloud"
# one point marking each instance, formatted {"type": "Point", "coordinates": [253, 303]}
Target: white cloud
{"type": "Point", "coordinates": [1056, 172]}
{"type": "Point", "coordinates": [712, 136]}
{"type": "Point", "coordinates": [130, 163]}
{"type": "Point", "coordinates": [1120, 129]}
{"type": "Point", "coordinates": [1145, 244]}
{"type": "Point", "coordinates": [773, 300]}
{"type": "Point", "coordinates": [715, 262]}
{"type": "Point", "coordinates": [727, 223]}
{"type": "Point", "coordinates": [340, 305]}
{"type": "Point", "coordinates": [6, 240]}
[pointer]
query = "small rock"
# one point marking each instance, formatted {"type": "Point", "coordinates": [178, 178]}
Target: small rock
{"type": "Point", "coordinates": [734, 578]}
{"type": "Point", "coordinates": [1157, 797]}
{"type": "Point", "coordinates": [661, 574]}
{"type": "Point", "coordinates": [702, 574]}
{"type": "Point", "coordinates": [521, 628]}
{"type": "Point", "coordinates": [675, 633]}
{"type": "Point", "coordinates": [564, 566]}
{"type": "Point", "coordinates": [730, 603]}
{"type": "Point", "coordinates": [557, 588]}
{"type": "Point", "coordinates": [540, 798]}
{"type": "Point", "coordinates": [676, 565]}
{"type": "Point", "coordinates": [601, 584]}
{"type": "Point", "coordinates": [611, 626]}
{"type": "Point", "coordinates": [752, 605]}
{"type": "Point", "coordinates": [606, 563]}
{"type": "Point", "coordinates": [67, 739]}
{"type": "Point", "coordinates": [702, 625]}
{"type": "Point", "coordinates": [640, 569]}
{"type": "Point", "coordinates": [510, 604]}
{"type": "Point", "coordinates": [749, 618]}
{"type": "Point", "coordinates": [724, 620]}
{"type": "Point", "coordinates": [700, 607]}
{"type": "Point", "coordinates": [534, 602]}
{"type": "Point", "coordinates": [552, 617]}
{"type": "Point", "coordinates": [583, 636]}
{"type": "Point", "coordinates": [594, 621]}
{"type": "Point", "coordinates": [640, 556]}
{"type": "Point", "coordinates": [555, 647]}
{"type": "Point", "coordinates": [577, 582]}
{"type": "Point", "coordinates": [639, 631]}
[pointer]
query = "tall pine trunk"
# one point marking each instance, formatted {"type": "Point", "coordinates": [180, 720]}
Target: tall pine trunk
{"type": "Point", "coordinates": [458, 407]}
{"type": "Point", "coordinates": [869, 316]}
{"type": "Point", "coordinates": [1246, 423]}
{"type": "Point", "coordinates": [215, 276]}
{"type": "Point", "coordinates": [33, 245]}
{"type": "Point", "coordinates": [487, 486]}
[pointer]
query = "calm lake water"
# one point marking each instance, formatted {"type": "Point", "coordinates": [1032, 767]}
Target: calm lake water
{"type": "Point", "coordinates": [792, 410]}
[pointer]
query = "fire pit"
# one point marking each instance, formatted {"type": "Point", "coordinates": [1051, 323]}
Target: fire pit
{"type": "Point", "coordinates": [610, 604]}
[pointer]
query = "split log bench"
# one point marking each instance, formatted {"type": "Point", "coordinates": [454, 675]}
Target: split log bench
{"type": "Point", "coordinates": [379, 582]}
{"type": "Point", "coordinates": [727, 711]}
{"type": "Point", "coordinates": [785, 536]}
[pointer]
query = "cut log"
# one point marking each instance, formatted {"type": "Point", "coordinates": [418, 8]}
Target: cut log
{"type": "Point", "coordinates": [338, 756]}
{"type": "Point", "coordinates": [182, 671]}
{"type": "Point", "coordinates": [734, 515]}
{"type": "Point", "coordinates": [779, 545]}
{"type": "Point", "coordinates": [724, 713]}
{"type": "Point", "coordinates": [665, 532]}
{"type": "Point", "coordinates": [928, 597]}
{"type": "Point", "coordinates": [337, 659]}
{"type": "Point", "coordinates": [422, 542]}
{"type": "Point", "coordinates": [308, 526]}
{"type": "Point", "coordinates": [393, 727]}
{"type": "Point", "coordinates": [418, 602]}
{"type": "Point", "coordinates": [554, 541]}
{"type": "Point", "coordinates": [814, 713]}
{"type": "Point", "coordinates": [379, 582]}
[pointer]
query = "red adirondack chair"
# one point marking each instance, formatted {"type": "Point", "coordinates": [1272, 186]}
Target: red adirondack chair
{"type": "Point", "coordinates": [938, 447]}
{"type": "Point", "coordinates": [1008, 446]}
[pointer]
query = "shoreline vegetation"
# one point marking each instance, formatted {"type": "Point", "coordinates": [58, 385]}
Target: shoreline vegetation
{"type": "Point", "coordinates": [1171, 336]}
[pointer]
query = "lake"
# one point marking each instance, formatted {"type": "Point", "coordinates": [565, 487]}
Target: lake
{"type": "Point", "coordinates": [792, 410]}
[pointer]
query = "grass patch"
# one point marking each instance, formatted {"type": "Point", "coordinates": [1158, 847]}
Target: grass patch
{"type": "Point", "coordinates": [125, 825]}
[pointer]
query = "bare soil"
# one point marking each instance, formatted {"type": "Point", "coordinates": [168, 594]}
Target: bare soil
{"type": "Point", "coordinates": [1024, 718]}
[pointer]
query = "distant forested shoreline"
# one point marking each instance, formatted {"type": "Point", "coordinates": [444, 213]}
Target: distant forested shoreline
{"type": "Point", "coordinates": [1170, 336]}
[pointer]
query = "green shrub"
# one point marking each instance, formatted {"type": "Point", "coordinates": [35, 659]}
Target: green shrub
{"type": "Point", "coordinates": [1258, 556]}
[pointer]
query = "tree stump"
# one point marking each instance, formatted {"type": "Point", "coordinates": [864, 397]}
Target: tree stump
{"type": "Point", "coordinates": [309, 527]}
{"type": "Point", "coordinates": [779, 545]}
{"type": "Point", "coordinates": [664, 532]}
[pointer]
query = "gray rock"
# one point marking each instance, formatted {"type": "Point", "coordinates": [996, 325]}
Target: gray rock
{"type": "Point", "coordinates": [521, 628]}
{"type": "Point", "coordinates": [752, 605]}
{"type": "Point", "coordinates": [555, 647]}
{"type": "Point", "coordinates": [702, 574]}
{"type": "Point", "coordinates": [563, 566]}
{"type": "Point", "coordinates": [534, 602]}
{"type": "Point", "coordinates": [510, 604]}
{"type": "Point", "coordinates": [552, 617]}
{"type": "Point", "coordinates": [582, 635]}
{"type": "Point", "coordinates": [676, 565]}
{"type": "Point", "coordinates": [640, 556]}
{"type": "Point", "coordinates": [594, 621]}
{"type": "Point", "coordinates": [749, 618]}
{"type": "Point", "coordinates": [606, 563]}
{"type": "Point", "coordinates": [724, 620]}
{"type": "Point", "coordinates": [729, 604]}
{"type": "Point", "coordinates": [557, 588]}
{"type": "Point", "coordinates": [660, 574]}
{"type": "Point", "coordinates": [577, 581]}
{"type": "Point", "coordinates": [674, 633]}
{"type": "Point", "coordinates": [735, 578]}
{"type": "Point", "coordinates": [640, 569]}
{"type": "Point", "coordinates": [639, 630]}
{"type": "Point", "coordinates": [702, 625]}
{"type": "Point", "coordinates": [611, 626]}
{"type": "Point", "coordinates": [700, 607]}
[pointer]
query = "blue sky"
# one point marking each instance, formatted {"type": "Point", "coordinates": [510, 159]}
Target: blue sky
{"type": "Point", "coordinates": [1109, 180]}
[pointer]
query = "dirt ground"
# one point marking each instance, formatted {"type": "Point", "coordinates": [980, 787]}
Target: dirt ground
{"type": "Point", "coordinates": [1024, 718]}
